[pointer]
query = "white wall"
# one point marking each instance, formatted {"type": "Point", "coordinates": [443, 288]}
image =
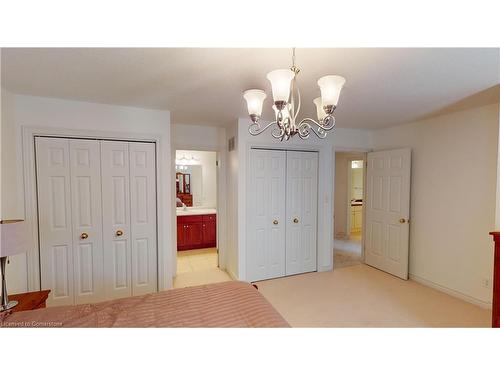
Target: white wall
{"type": "Point", "coordinates": [337, 139]}
{"type": "Point", "coordinates": [197, 137]}
{"type": "Point", "coordinates": [37, 112]}
{"type": "Point", "coordinates": [232, 207]}
{"type": "Point", "coordinates": [453, 198]}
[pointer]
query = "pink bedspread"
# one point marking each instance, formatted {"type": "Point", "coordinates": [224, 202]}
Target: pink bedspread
{"type": "Point", "coordinates": [228, 304]}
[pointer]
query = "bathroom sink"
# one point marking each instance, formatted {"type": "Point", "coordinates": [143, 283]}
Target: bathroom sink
{"type": "Point", "coordinates": [196, 211]}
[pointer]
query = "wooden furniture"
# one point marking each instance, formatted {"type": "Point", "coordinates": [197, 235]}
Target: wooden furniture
{"type": "Point", "coordinates": [196, 231]}
{"type": "Point", "coordinates": [30, 300]}
{"type": "Point", "coordinates": [495, 318]}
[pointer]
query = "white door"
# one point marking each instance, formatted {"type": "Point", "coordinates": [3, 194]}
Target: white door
{"type": "Point", "coordinates": [266, 235]}
{"type": "Point", "coordinates": [116, 219]}
{"type": "Point", "coordinates": [54, 217]}
{"type": "Point", "coordinates": [301, 211]}
{"type": "Point", "coordinates": [85, 172]}
{"type": "Point", "coordinates": [388, 211]}
{"type": "Point", "coordinates": [143, 217]}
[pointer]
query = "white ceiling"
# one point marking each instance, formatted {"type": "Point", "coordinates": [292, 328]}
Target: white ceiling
{"type": "Point", "coordinates": [204, 86]}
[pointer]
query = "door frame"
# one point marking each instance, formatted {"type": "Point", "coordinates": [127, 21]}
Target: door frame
{"type": "Point", "coordinates": [31, 196]}
{"type": "Point", "coordinates": [221, 158]}
{"type": "Point", "coordinates": [363, 151]}
{"type": "Point", "coordinates": [348, 198]}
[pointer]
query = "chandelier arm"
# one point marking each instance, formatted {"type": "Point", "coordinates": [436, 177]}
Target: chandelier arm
{"type": "Point", "coordinates": [307, 125]}
{"type": "Point", "coordinates": [298, 105]}
{"type": "Point", "coordinates": [256, 129]}
{"type": "Point", "coordinates": [327, 124]}
{"type": "Point", "coordinates": [278, 133]}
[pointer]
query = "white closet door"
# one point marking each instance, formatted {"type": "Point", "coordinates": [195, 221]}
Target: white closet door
{"type": "Point", "coordinates": [116, 218]}
{"type": "Point", "coordinates": [143, 217]}
{"type": "Point", "coordinates": [301, 211]}
{"type": "Point", "coordinates": [54, 217]}
{"type": "Point", "coordinates": [266, 237]}
{"type": "Point", "coordinates": [85, 172]}
{"type": "Point", "coordinates": [388, 211]}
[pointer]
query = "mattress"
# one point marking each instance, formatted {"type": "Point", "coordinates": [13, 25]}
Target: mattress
{"type": "Point", "coordinates": [227, 304]}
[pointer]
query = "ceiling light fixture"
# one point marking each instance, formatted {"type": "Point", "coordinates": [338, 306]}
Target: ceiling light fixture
{"type": "Point", "coordinates": [286, 97]}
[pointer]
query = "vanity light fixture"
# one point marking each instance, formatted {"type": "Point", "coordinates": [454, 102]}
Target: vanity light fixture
{"type": "Point", "coordinates": [286, 97]}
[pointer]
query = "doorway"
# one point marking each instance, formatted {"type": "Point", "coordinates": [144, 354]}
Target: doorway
{"type": "Point", "coordinates": [349, 208]}
{"type": "Point", "coordinates": [196, 216]}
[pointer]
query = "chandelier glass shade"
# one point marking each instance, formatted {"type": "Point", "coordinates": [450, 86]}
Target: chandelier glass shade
{"type": "Point", "coordinates": [286, 98]}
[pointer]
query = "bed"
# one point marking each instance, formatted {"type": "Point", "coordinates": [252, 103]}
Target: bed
{"type": "Point", "coordinates": [227, 304]}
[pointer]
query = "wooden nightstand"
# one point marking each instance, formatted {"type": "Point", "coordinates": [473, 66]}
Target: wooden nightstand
{"type": "Point", "coordinates": [30, 300]}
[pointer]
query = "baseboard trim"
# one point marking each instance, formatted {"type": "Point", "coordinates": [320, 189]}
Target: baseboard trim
{"type": "Point", "coordinates": [451, 292]}
{"type": "Point", "coordinates": [231, 274]}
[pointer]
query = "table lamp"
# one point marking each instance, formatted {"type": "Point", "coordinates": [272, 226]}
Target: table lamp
{"type": "Point", "coordinates": [13, 240]}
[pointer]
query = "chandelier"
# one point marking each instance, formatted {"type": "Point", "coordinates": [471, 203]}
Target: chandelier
{"type": "Point", "coordinates": [286, 96]}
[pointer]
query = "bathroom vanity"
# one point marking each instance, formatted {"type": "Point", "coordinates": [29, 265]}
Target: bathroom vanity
{"type": "Point", "coordinates": [196, 229]}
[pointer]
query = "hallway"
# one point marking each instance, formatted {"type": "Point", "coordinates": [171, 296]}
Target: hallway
{"type": "Point", "coordinates": [347, 252]}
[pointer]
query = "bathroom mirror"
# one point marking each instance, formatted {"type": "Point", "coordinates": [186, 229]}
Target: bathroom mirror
{"type": "Point", "coordinates": [189, 185]}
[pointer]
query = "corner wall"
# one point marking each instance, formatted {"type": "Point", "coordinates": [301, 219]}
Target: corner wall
{"type": "Point", "coordinates": [453, 198]}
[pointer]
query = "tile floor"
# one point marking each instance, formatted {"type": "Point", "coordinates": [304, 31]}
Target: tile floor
{"type": "Point", "coordinates": [197, 267]}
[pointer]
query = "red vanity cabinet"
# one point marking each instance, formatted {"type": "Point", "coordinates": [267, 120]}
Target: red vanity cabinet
{"type": "Point", "coordinates": [196, 231]}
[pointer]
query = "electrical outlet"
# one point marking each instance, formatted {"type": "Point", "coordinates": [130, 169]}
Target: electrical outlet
{"type": "Point", "coordinates": [486, 282]}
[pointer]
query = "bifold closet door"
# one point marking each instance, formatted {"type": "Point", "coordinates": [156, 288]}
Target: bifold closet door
{"type": "Point", "coordinates": [69, 199]}
{"type": "Point", "coordinates": [129, 218]}
{"type": "Point", "coordinates": [54, 218]}
{"type": "Point", "coordinates": [301, 211]}
{"type": "Point", "coordinates": [116, 219]}
{"type": "Point", "coordinates": [85, 172]}
{"type": "Point", "coordinates": [266, 237]}
{"type": "Point", "coordinates": [143, 217]}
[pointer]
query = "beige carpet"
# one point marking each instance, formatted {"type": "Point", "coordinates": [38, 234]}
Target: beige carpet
{"type": "Point", "coordinates": [362, 296]}
{"type": "Point", "coordinates": [198, 267]}
{"type": "Point", "coordinates": [347, 252]}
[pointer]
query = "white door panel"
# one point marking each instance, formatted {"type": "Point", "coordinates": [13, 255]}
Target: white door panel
{"type": "Point", "coordinates": [54, 217]}
{"type": "Point", "coordinates": [143, 217]}
{"type": "Point", "coordinates": [85, 172]}
{"type": "Point", "coordinates": [301, 211]}
{"type": "Point", "coordinates": [388, 211]}
{"type": "Point", "coordinates": [116, 219]}
{"type": "Point", "coordinates": [266, 237]}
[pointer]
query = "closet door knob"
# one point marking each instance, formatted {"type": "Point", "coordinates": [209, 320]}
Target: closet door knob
{"type": "Point", "coordinates": [84, 236]}
{"type": "Point", "coordinates": [275, 222]}
{"type": "Point", "coordinates": [119, 233]}
{"type": "Point", "coordinates": [295, 220]}
{"type": "Point", "coordinates": [402, 221]}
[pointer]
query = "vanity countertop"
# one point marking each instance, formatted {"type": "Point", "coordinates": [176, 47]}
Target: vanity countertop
{"type": "Point", "coordinates": [196, 211]}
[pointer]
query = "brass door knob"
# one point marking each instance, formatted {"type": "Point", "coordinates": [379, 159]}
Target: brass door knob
{"type": "Point", "coordinates": [275, 222]}
{"type": "Point", "coordinates": [295, 220]}
{"type": "Point", "coordinates": [402, 221]}
{"type": "Point", "coordinates": [119, 233]}
{"type": "Point", "coordinates": [84, 236]}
